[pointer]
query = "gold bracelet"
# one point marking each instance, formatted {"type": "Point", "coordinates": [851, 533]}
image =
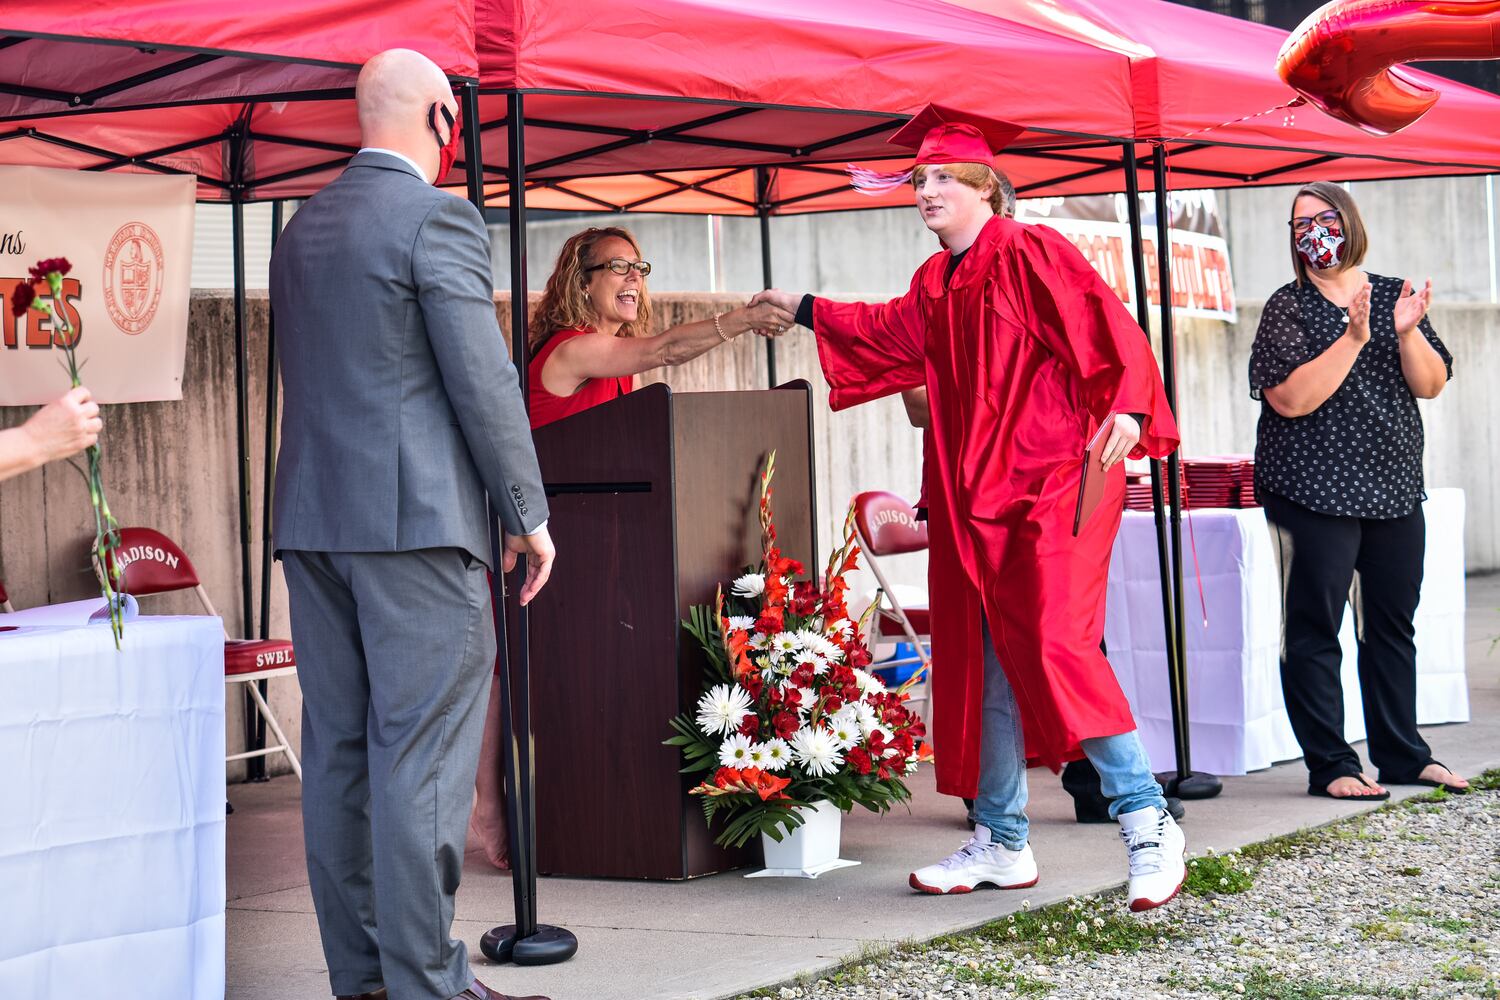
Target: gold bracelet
{"type": "Point", "coordinates": [719, 329]}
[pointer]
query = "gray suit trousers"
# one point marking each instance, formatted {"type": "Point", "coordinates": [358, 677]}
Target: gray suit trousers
{"type": "Point", "coordinates": [395, 652]}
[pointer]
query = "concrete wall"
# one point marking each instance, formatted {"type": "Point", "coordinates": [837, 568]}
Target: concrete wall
{"type": "Point", "coordinates": [171, 465]}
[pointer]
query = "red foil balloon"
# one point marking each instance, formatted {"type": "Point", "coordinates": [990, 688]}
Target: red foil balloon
{"type": "Point", "coordinates": [1342, 57]}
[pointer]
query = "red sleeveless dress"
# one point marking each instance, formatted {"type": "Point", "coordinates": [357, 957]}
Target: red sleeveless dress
{"type": "Point", "coordinates": [545, 407]}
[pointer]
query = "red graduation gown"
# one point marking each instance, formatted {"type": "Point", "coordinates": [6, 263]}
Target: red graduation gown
{"type": "Point", "coordinates": [1025, 352]}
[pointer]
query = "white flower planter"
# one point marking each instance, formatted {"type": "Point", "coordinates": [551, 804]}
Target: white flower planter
{"type": "Point", "coordinates": [809, 850]}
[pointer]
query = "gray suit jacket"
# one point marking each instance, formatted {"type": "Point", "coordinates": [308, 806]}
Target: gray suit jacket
{"type": "Point", "coordinates": [402, 407]}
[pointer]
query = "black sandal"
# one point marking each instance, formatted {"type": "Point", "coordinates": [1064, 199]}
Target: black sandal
{"type": "Point", "coordinates": [1450, 789]}
{"type": "Point", "coordinates": [1324, 793]}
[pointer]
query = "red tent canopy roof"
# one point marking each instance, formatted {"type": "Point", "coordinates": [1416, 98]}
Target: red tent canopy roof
{"type": "Point", "coordinates": [1203, 82]}
{"type": "Point", "coordinates": [162, 84]}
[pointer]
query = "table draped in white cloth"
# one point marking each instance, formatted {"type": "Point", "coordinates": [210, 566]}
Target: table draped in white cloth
{"type": "Point", "coordinates": [112, 810]}
{"type": "Point", "coordinates": [1238, 718]}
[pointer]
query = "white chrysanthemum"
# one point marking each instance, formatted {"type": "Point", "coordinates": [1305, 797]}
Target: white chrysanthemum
{"type": "Point", "coordinates": [741, 623]}
{"type": "Point", "coordinates": [809, 697]}
{"type": "Point", "coordinates": [819, 645]}
{"type": "Point", "coordinates": [865, 714]}
{"type": "Point", "coordinates": [784, 643]}
{"type": "Point", "coordinates": [815, 749]}
{"type": "Point", "coordinates": [778, 754]}
{"type": "Point", "coordinates": [868, 683]}
{"type": "Point", "coordinates": [845, 730]}
{"type": "Point", "coordinates": [722, 709]}
{"type": "Point", "coordinates": [735, 751]}
{"type": "Point", "coordinates": [749, 585]}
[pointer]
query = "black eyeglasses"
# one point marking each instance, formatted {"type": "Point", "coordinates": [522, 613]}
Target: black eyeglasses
{"type": "Point", "coordinates": [1302, 223]}
{"type": "Point", "coordinates": [620, 265]}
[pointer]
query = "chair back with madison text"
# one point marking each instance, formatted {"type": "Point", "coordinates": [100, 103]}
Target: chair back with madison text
{"type": "Point", "coordinates": [887, 525]}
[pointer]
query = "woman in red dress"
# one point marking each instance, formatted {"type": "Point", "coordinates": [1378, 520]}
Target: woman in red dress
{"type": "Point", "coordinates": [588, 342]}
{"type": "Point", "coordinates": [588, 337]}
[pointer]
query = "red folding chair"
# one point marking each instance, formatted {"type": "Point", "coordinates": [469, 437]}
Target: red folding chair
{"type": "Point", "coordinates": [154, 564]}
{"type": "Point", "coordinates": [886, 525]}
{"type": "Point", "coordinates": [5, 607]}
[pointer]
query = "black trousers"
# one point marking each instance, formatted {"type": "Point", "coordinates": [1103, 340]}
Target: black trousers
{"type": "Point", "coordinates": [1375, 564]}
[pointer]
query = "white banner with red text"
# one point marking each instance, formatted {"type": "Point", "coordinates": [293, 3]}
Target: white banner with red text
{"type": "Point", "coordinates": [1099, 226]}
{"type": "Point", "coordinates": [129, 239]}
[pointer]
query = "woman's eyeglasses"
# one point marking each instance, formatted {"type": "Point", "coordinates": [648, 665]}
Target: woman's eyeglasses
{"type": "Point", "coordinates": [1302, 223]}
{"type": "Point", "coordinates": [620, 265]}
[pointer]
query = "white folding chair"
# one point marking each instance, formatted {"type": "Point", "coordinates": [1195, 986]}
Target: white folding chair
{"type": "Point", "coordinates": [886, 525]}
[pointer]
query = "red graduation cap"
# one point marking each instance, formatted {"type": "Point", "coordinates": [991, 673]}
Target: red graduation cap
{"type": "Point", "coordinates": [939, 135]}
{"type": "Point", "coordinates": [943, 135]}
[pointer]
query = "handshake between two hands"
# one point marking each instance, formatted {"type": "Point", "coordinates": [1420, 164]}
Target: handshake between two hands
{"type": "Point", "coordinates": [771, 312]}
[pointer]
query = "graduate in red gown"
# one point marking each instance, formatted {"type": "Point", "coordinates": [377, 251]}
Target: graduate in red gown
{"type": "Point", "coordinates": [1025, 354]}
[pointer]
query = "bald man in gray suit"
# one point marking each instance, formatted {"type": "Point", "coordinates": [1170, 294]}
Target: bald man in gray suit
{"type": "Point", "coordinates": [402, 410]}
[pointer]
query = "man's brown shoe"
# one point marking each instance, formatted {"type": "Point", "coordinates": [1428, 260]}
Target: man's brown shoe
{"type": "Point", "coordinates": [377, 995]}
{"type": "Point", "coordinates": [479, 991]}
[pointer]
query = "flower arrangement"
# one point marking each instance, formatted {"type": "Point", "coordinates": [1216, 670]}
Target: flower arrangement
{"type": "Point", "coordinates": [791, 716]}
{"type": "Point", "coordinates": [50, 273]}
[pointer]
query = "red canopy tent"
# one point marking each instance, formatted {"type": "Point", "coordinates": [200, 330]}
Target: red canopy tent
{"type": "Point", "coordinates": [1188, 76]}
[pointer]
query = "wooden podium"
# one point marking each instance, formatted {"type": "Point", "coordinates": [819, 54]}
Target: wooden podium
{"type": "Point", "coordinates": [653, 505]}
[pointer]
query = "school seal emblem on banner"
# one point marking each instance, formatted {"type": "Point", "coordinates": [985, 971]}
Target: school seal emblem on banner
{"type": "Point", "coordinates": [133, 277]}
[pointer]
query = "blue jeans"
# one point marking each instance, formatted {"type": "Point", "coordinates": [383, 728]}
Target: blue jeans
{"type": "Point", "coordinates": [1124, 771]}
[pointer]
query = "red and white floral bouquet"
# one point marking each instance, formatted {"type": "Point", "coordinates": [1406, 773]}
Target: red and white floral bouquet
{"type": "Point", "coordinates": [790, 715]}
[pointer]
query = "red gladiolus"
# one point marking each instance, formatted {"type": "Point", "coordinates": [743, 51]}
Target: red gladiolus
{"type": "Point", "coordinates": [859, 760]}
{"type": "Point", "coordinates": [767, 786]}
{"type": "Point", "coordinates": [43, 268]}
{"type": "Point", "coordinates": [22, 298]}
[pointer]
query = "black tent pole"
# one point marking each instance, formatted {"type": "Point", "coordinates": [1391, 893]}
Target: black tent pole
{"type": "Point", "coordinates": [1143, 317]}
{"type": "Point", "coordinates": [763, 211]}
{"type": "Point", "coordinates": [268, 485]}
{"type": "Point", "coordinates": [1184, 784]}
{"type": "Point", "coordinates": [269, 466]}
{"type": "Point", "coordinates": [525, 942]}
{"type": "Point", "coordinates": [254, 728]}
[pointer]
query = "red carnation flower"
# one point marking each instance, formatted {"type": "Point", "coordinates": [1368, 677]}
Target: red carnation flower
{"type": "Point", "coordinates": [859, 760]}
{"type": "Point", "coordinates": [750, 726]}
{"type": "Point", "coordinates": [767, 624]}
{"type": "Point", "coordinates": [785, 724]}
{"type": "Point", "coordinates": [48, 266]}
{"type": "Point", "coordinates": [22, 298]}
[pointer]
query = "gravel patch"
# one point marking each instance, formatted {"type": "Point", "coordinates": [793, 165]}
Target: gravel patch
{"type": "Point", "coordinates": [1403, 902]}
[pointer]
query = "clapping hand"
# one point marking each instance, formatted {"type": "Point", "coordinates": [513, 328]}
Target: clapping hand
{"type": "Point", "coordinates": [1359, 315]}
{"type": "Point", "coordinates": [1411, 307]}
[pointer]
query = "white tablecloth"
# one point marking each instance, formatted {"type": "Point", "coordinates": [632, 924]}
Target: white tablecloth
{"type": "Point", "coordinates": [1238, 718]}
{"type": "Point", "coordinates": [112, 811]}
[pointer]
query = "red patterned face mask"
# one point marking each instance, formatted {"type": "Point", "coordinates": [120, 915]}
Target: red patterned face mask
{"type": "Point", "coordinates": [447, 151]}
{"type": "Point", "coordinates": [1321, 246]}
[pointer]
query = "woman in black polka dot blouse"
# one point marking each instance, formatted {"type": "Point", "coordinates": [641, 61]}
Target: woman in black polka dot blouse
{"type": "Point", "coordinates": [1339, 361]}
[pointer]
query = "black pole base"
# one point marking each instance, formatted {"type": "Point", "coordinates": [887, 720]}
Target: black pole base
{"type": "Point", "coordinates": [548, 946]}
{"type": "Point", "coordinates": [1193, 785]}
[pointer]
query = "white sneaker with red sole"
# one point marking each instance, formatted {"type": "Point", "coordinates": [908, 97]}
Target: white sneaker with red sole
{"type": "Point", "coordinates": [979, 862]}
{"type": "Point", "coordinates": [1155, 844]}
